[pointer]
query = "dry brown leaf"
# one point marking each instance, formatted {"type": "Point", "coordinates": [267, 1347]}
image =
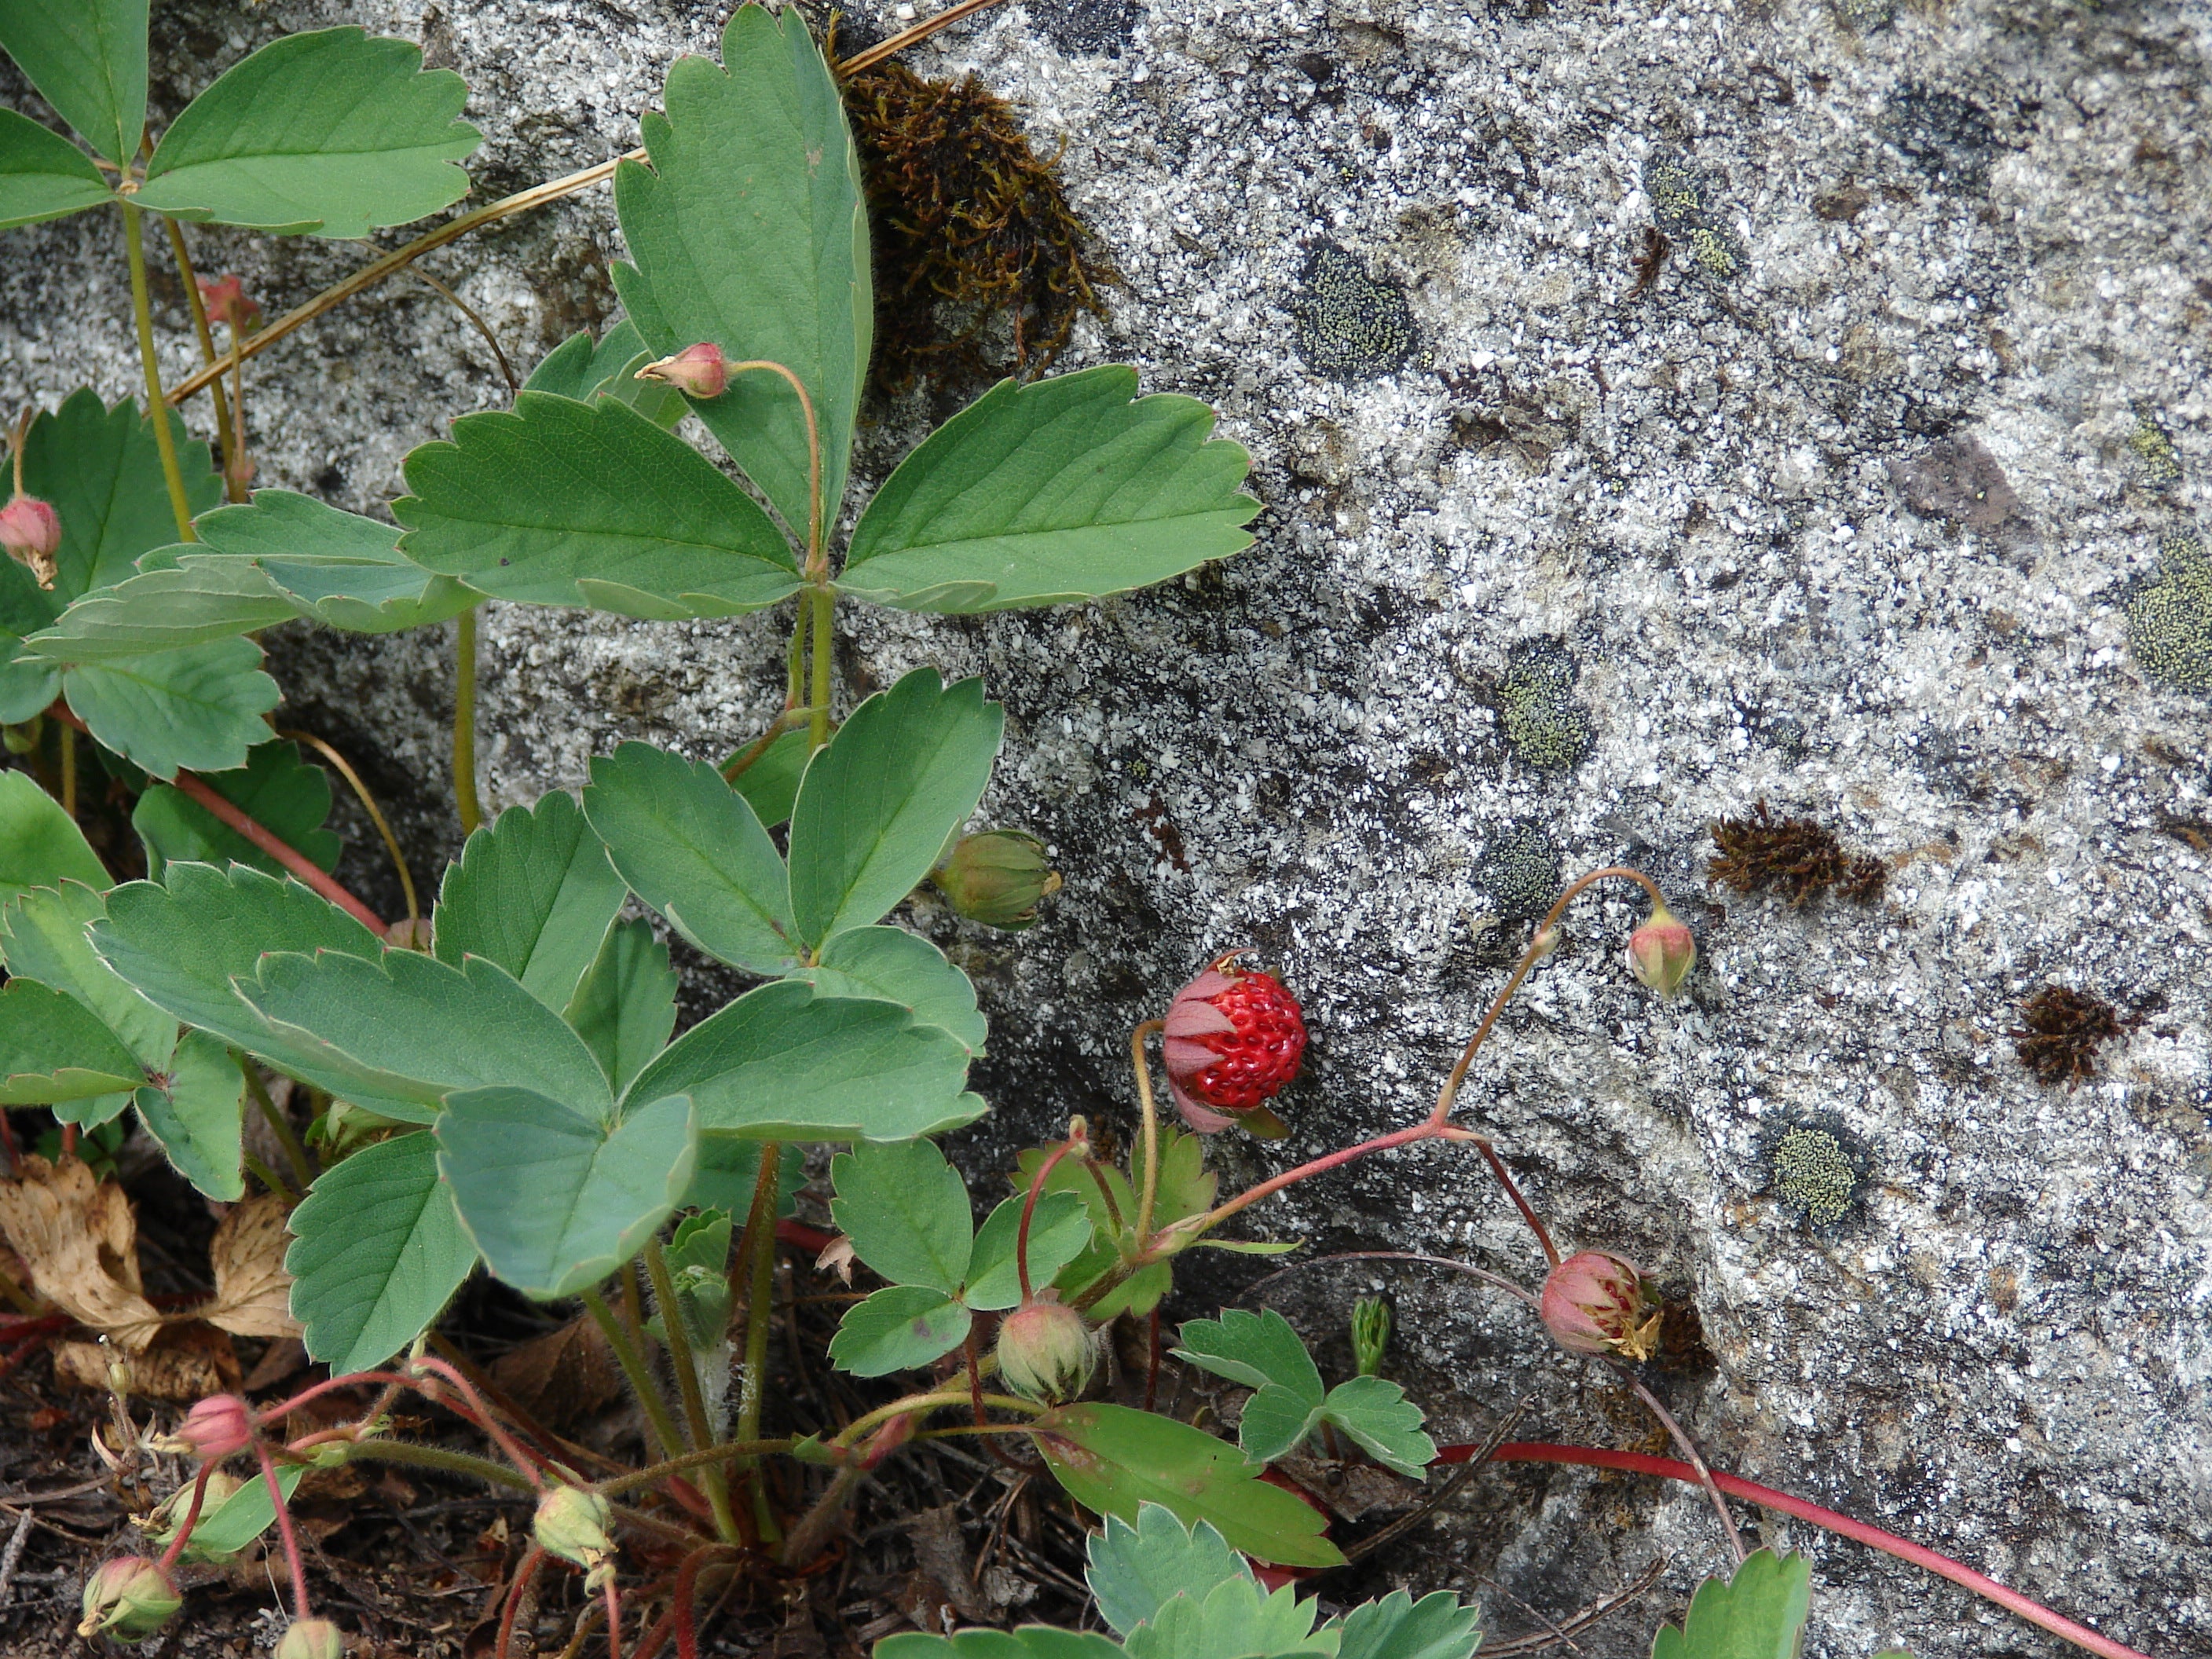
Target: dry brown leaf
{"type": "Point", "coordinates": [252, 1291]}
{"type": "Point", "coordinates": [188, 1363]}
{"type": "Point", "coordinates": [562, 1377]}
{"type": "Point", "coordinates": [80, 1244]}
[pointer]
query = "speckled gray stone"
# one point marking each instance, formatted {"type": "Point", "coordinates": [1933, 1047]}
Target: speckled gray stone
{"type": "Point", "coordinates": [1983, 223]}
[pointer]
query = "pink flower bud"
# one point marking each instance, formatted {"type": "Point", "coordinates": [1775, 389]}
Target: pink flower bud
{"type": "Point", "coordinates": [887, 1439]}
{"type": "Point", "coordinates": [31, 531]}
{"type": "Point", "coordinates": [312, 1638]}
{"type": "Point", "coordinates": [128, 1598]}
{"type": "Point", "coordinates": [215, 1428]}
{"type": "Point", "coordinates": [1661, 953]}
{"type": "Point", "coordinates": [1045, 1351]}
{"type": "Point", "coordinates": [700, 371]}
{"type": "Point", "coordinates": [226, 302]}
{"type": "Point", "coordinates": [1232, 1040]}
{"type": "Point", "coordinates": [1595, 1303]}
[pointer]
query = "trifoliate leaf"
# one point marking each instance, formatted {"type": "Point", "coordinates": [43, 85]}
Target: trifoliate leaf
{"type": "Point", "coordinates": [1386, 1425]}
{"type": "Point", "coordinates": [906, 1211]}
{"type": "Point", "coordinates": [330, 132]}
{"type": "Point", "coordinates": [1058, 490]}
{"type": "Point", "coordinates": [1398, 1627]}
{"type": "Point", "coordinates": [1255, 1349]}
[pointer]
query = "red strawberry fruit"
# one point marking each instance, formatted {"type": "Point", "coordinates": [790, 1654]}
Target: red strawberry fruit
{"type": "Point", "coordinates": [1233, 1038]}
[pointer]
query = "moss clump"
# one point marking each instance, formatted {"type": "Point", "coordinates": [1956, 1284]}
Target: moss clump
{"type": "Point", "coordinates": [2170, 620]}
{"type": "Point", "coordinates": [2154, 452]}
{"type": "Point", "coordinates": [1519, 872]}
{"type": "Point", "coordinates": [1537, 709]}
{"type": "Point", "coordinates": [1795, 857]}
{"type": "Point", "coordinates": [2060, 1033]}
{"type": "Point", "coordinates": [1350, 326]}
{"type": "Point", "coordinates": [1814, 1169]}
{"type": "Point", "coordinates": [969, 224]}
{"type": "Point", "coordinates": [1679, 204]}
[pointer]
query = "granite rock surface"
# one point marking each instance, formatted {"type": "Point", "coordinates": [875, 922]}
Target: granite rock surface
{"type": "Point", "coordinates": [1657, 409]}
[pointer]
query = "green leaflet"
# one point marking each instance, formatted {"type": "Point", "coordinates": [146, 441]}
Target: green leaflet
{"type": "Point", "coordinates": [577, 368]}
{"type": "Point", "coordinates": [896, 966]}
{"type": "Point", "coordinates": [624, 1007]}
{"type": "Point", "coordinates": [199, 709]}
{"type": "Point", "coordinates": [1113, 1459]}
{"type": "Point", "coordinates": [101, 470]}
{"type": "Point", "coordinates": [377, 1252]}
{"type": "Point", "coordinates": [195, 601]}
{"type": "Point", "coordinates": [28, 685]}
{"type": "Point", "coordinates": [782, 1063]}
{"type": "Point", "coordinates": [42, 174]}
{"type": "Point", "coordinates": [770, 784]}
{"type": "Point", "coordinates": [225, 1528]}
{"type": "Point", "coordinates": [906, 1211]}
{"type": "Point", "coordinates": [1235, 1619]}
{"type": "Point", "coordinates": [1061, 490]}
{"type": "Point", "coordinates": [1398, 1627]}
{"type": "Point", "coordinates": [40, 845]}
{"type": "Point", "coordinates": [52, 1048]}
{"type": "Point", "coordinates": [283, 794]}
{"type": "Point", "coordinates": [749, 229]}
{"type": "Point", "coordinates": [1059, 1232]}
{"type": "Point", "coordinates": [1136, 1569]}
{"type": "Point", "coordinates": [1029, 1642]}
{"type": "Point", "coordinates": [42, 933]}
{"type": "Point", "coordinates": [199, 1116]}
{"type": "Point", "coordinates": [410, 1027]}
{"type": "Point", "coordinates": [532, 892]}
{"type": "Point", "coordinates": [1262, 1352]}
{"type": "Point", "coordinates": [88, 60]}
{"type": "Point", "coordinates": [338, 567]}
{"type": "Point", "coordinates": [562, 502]}
{"type": "Point", "coordinates": [1759, 1613]}
{"type": "Point", "coordinates": [1386, 1425]}
{"type": "Point", "coordinates": [692, 848]}
{"type": "Point", "coordinates": [873, 812]}
{"type": "Point", "coordinates": [555, 1198]}
{"type": "Point", "coordinates": [329, 132]}
{"type": "Point", "coordinates": [898, 1328]}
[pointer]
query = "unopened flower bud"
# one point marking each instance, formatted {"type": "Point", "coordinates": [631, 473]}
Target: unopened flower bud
{"type": "Point", "coordinates": [1595, 1303]}
{"type": "Point", "coordinates": [1661, 952]}
{"type": "Point", "coordinates": [699, 371]}
{"type": "Point", "coordinates": [1371, 1334]}
{"type": "Point", "coordinates": [312, 1638]}
{"type": "Point", "coordinates": [215, 1428]}
{"type": "Point", "coordinates": [1045, 1351]}
{"type": "Point", "coordinates": [573, 1523]}
{"type": "Point", "coordinates": [128, 1598]}
{"type": "Point", "coordinates": [887, 1439]}
{"type": "Point", "coordinates": [226, 302]}
{"type": "Point", "coordinates": [997, 877]}
{"type": "Point", "coordinates": [31, 531]}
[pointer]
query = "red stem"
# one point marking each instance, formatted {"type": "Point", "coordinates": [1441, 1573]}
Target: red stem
{"type": "Point", "coordinates": [614, 1611]}
{"type": "Point", "coordinates": [687, 1581]}
{"type": "Point", "coordinates": [284, 1530]}
{"type": "Point", "coordinates": [297, 862]}
{"type": "Point", "coordinates": [524, 1463]}
{"type": "Point", "coordinates": [1429, 1128]}
{"type": "Point", "coordinates": [191, 1519]}
{"type": "Point", "coordinates": [1766, 1498]}
{"type": "Point", "coordinates": [524, 1571]}
{"type": "Point", "coordinates": [1028, 1209]}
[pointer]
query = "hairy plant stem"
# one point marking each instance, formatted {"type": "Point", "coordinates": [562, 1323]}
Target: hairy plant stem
{"type": "Point", "coordinates": [308, 874]}
{"type": "Point", "coordinates": [284, 1529]}
{"type": "Point", "coordinates": [437, 1457]}
{"type": "Point", "coordinates": [233, 480]}
{"type": "Point", "coordinates": [723, 1452]}
{"type": "Point", "coordinates": [157, 411]}
{"type": "Point", "coordinates": [1842, 1525]}
{"type": "Point", "coordinates": [634, 1367]}
{"type": "Point", "coordinates": [1152, 1121]}
{"type": "Point", "coordinates": [295, 1154]}
{"type": "Point", "coordinates": [525, 1574]}
{"type": "Point", "coordinates": [756, 1262]}
{"type": "Point", "coordinates": [687, 1387]}
{"type": "Point", "coordinates": [917, 1404]}
{"type": "Point", "coordinates": [465, 803]}
{"type": "Point", "coordinates": [183, 1535]}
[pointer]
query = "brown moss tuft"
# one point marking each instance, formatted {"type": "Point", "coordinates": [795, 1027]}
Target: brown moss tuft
{"type": "Point", "coordinates": [2061, 1030]}
{"type": "Point", "coordinates": [1865, 879]}
{"type": "Point", "coordinates": [969, 224]}
{"type": "Point", "coordinates": [1763, 853]}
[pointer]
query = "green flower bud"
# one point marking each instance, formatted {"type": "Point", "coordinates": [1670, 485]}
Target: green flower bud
{"type": "Point", "coordinates": [1045, 1351]}
{"type": "Point", "coordinates": [312, 1638]}
{"type": "Point", "coordinates": [574, 1524]}
{"type": "Point", "coordinates": [997, 877]}
{"type": "Point", "coordinates": [128, 1598]}
{"type": "Point", "coordinates": [1370, 1334]}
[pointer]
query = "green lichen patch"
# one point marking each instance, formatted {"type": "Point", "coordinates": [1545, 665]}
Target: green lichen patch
{"type": "Point", "coordinates": [1680, 204]}
{"type": "Point", "coordinates": [1351, 326]}
{"type": "Point", "coordinates": [2157, 461]}
{"type": "Point", "coordinates": [1818, 1169]}
{"type": "Point", "coordinates": [2170, 619]}
{"type": "Point", "coordinates": [1538, 710]}
{"type": "Point", "coordinates": [1520, 871]}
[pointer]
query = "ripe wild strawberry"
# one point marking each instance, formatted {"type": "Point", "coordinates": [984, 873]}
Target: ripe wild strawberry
{"type": "Point", "coordinates": [1232, 1040]}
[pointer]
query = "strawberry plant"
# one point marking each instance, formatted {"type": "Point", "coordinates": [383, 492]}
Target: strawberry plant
{"type": "Point", "coordinates": [500, 1085]}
